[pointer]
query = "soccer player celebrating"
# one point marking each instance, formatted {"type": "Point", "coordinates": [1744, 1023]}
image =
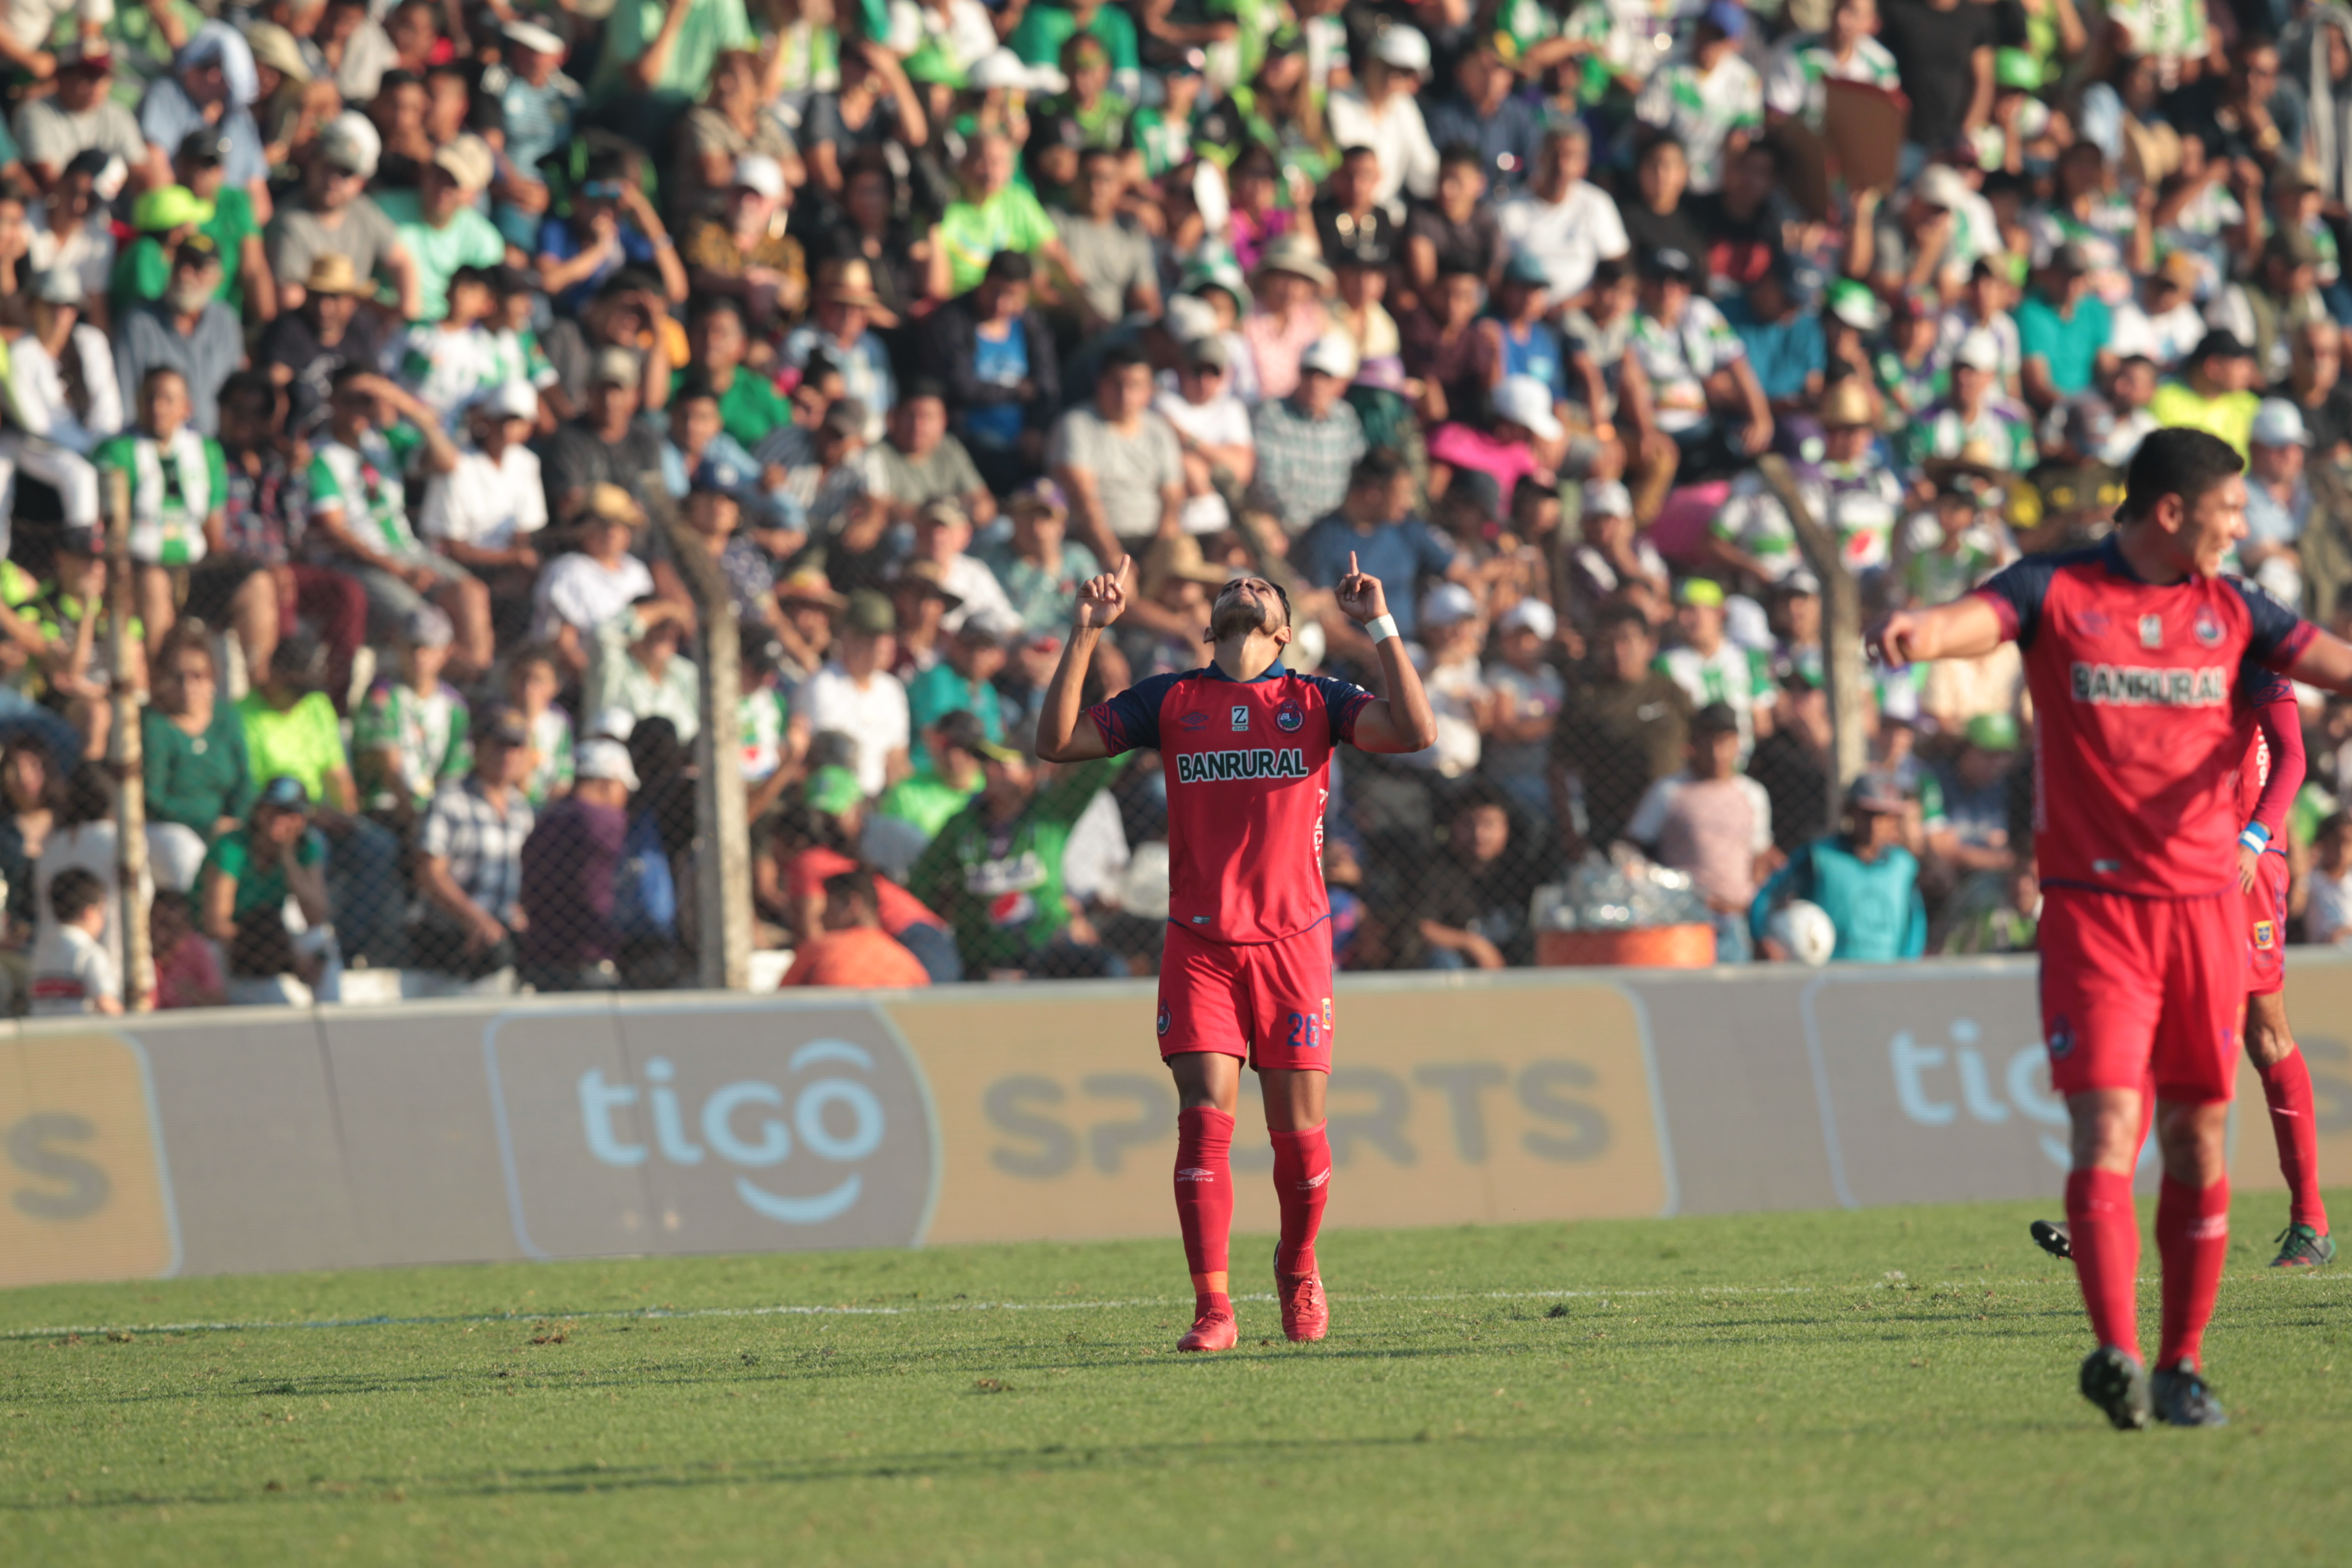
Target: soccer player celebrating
{"type": "Point", "coordinates": [2267, 785]}
{"type": "Point", "coordinates": [2135, 650]}
{"type": "Point", "coordinates": [1246, 973]}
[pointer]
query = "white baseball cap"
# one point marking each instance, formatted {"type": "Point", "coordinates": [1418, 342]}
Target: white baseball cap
{"type": "Point", "coordinates": [605, 759]}
{"type": "Point", "coordinates": [509, 400]}
{"type": "Point", "coordinates": [1980, 350]}
{"type": "Point", "coordinates": [758, 172]}
{"type": "Point", "coordinates": [1448, 605]}
{"type": "Point", "coordinates": [2279, 423]}
{"type": "Point", "coordinates": [350, 142]}
{"type": "Point", "coordinates": [1531, 615]}
{"type": "Point", "coordinates": [1524, 400]}
{"type": "Point", "coordinates": [531, 36]}
{"type": "Point", "coordinates": [1403, 49]}
{"type": "Point", "coordinates": [1333, 353]}
{"type": "Point", "coordinates": [1607, 498]}
{"type": "Point", "coordinates": [614, 724]}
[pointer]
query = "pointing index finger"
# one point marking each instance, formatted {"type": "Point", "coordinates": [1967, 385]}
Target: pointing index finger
{"type": "Point", "coordinates": [1352, 571]}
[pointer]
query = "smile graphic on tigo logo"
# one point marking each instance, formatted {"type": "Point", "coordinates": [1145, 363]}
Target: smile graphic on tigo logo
{"type": "Point", "coordinates": [710, 1130]}
{"type": "Point", "coordinates": [771, 1141]}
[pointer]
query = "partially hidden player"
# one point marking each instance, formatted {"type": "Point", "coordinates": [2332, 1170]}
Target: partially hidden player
{"type": "Point", "coordinates": [2267, 785]}
{"type": "Point", "coordinates": [2134, 651]}
{"type": "Point", "coordinates": [1246, 975]}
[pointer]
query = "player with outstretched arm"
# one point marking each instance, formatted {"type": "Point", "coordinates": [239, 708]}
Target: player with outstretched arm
{"type": "Point", "coordinates": [2136, 651]}
{"type": "Point", "coordinates": [1246, 975]}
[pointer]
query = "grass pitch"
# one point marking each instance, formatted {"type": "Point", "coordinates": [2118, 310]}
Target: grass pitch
{"type": "Point", "coordinates": [1893, 1386]}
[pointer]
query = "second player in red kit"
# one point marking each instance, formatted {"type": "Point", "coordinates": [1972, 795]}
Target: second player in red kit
{"type": "Point", "coordinates": [2136, 651]}
{"type": "Point", "coordinates": [1246, 976]}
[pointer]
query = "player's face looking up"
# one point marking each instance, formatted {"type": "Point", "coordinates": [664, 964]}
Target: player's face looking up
{"type": "Point", "coordinates": [1248, 605]}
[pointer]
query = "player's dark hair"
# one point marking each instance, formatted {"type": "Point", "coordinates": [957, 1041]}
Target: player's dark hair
{"type": "Point", "coordinates": [2176, 461]}
{"type": "Point", "coordinates": [74, 892]}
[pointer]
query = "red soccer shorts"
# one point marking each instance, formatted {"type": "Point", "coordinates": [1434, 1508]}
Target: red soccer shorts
{"type": "Point", "coordinates": [2139, 988]}
{"type": "Point", "coordinates": [2266, 928]}
{"type": "Point", "coordinates": [1268, 1002]}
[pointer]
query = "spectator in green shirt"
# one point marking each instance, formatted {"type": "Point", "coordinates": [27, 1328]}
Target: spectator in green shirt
{"type": "Point", "coordinates": [199, 784]}
{"type": "Point", "coordinates": [943, 783]}
{"type": "Point", "coordinates": [996, 870]}
{"type": "Point", "coordinates": [660, 53]}
{"type": "Point", "coordinates": [247, 876]}
{"type": "Point", "coordinates": [992, 213]}
{"type": "Point", "coordinates": [750, 408]}
{"type": "Point", "coordinates": [1044, 30]}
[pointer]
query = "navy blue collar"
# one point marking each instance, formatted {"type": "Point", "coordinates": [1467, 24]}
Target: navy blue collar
{"type": "Point", "coordinates": [1273, 672]}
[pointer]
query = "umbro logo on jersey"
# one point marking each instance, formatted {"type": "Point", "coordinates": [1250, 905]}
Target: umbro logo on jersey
{"type": "Point", "coordinates": [1241, 717]}
{"type": "Point", "coordinates": [2136, 685]}
{"type": "Point", "coordinates": [1194, 721]}
{"type": "Point", "coordinates": [1214, 767]}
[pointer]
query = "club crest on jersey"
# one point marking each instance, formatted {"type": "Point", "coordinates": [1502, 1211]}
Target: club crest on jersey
{"type": "Point", "coordinates": [2265, 936]}
{"type": "Point", "coordinates": [1241, 716]}
{"type": "Point", "coordinates": [1327, 1015]}
{"type": "Point", "coordinates": [2208, 627]}
{"type": "Point", "coordinates": [2062, 1037]}
{"type": "Point", "coordinates": [1288, 718]}
{"type": "Point", "coordinates": [1262, 763]}
{"type": "Point", "coordinates": [2151, 631]}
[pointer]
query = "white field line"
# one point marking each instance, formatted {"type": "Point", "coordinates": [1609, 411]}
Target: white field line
{"type": "Point", "coordinates": [665, 1314]}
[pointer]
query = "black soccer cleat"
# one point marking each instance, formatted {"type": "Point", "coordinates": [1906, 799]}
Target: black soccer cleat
{"type": "Point", "coordinates": [2117, 1384]}
{"type": "Point", "coordinates": [2050, 1236]}
{"type": "Point", "coordinates": [2302, 1246]}
{"type": "Point", "coordinates": [2183, 1400]}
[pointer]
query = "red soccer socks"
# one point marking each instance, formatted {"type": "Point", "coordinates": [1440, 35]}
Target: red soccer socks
{"type": "Point", "coordinates": [1302, 1180]}
{"type": "Point", "coordinates": [2287, 1086]}
{"type": "Point", "coordinates": [2192, 1238]}
{"type": "Point", "coordinates": [2104, 1233]}
{"type": "Point", "coordinates": [1204, 1186]}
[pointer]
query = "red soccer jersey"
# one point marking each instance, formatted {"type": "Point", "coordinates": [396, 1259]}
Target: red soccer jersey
{"type": "Point", "coordinates": [2138, 740]}
{"type": "Point", "coordinates": [1248, 765]}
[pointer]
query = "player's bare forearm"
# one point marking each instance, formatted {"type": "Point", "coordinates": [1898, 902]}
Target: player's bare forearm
{"type": "Point", "coordinates": [1400, 721]}
{"type": "Point", "coordinates": [1064, 733]}
{"type": "Point", "coordinates": [1968, 628]}
{"type": "Point", "coordinates": [2325, 662]}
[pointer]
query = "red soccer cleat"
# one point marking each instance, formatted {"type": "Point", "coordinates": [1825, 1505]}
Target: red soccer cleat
{"type": "Point", "coordinates": [1306, 1311]}
{"type": "Point", "coordinates": [1211, 1331]}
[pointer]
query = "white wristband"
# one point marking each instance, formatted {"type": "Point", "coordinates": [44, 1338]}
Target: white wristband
{"type": "Point", "coordinates": [1380, 628]}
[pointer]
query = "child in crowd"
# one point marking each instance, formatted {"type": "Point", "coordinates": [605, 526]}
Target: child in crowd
{"type": "Point", "coordinates": [187, 970]}
{"type": "Point", "coordinates": [533, 678]}
{"type": "Point", "coordinates": [410, 734]}
{"type": "Point", "coordinates": [72, 972]}
{"type": "Point", "coordinates": [445, 362]}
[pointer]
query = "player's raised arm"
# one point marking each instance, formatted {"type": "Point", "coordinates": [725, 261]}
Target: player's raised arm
{"type": "Point", "coordinates": [1400, 721]}
{"type": "Point", "coordinates": [1968, 628]}
{"type": "Point", "coordinates": [1064, 734]}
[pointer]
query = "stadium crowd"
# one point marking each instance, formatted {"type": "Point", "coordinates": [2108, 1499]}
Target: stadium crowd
{"type": "Point", "coordinates": [409, 326]}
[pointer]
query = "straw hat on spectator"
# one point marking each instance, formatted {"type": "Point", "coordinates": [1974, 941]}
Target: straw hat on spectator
{"type": "Point", "coordinates": [469, 160]}
{"type": "Point", "coordinates": [1296, 255]}
{"type": "Point", "coordinates": [809, 585]}
{"type": "Point", "coordinates": [1846, 405]}
{"type": "Point", "coordinates": [274, 46]}
{"type": "Point", "coordinates": [1178, 559]}
{"type": "Point", "coordinates": [333, 273]}
{"type": "Point", "coordinates": [610, 503]}
{"type": "Point", "coordinates": [850, 281]}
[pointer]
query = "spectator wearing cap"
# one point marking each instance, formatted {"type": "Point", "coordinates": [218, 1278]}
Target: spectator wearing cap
{"type": "Point", "coordinates": [1612, 556]}
{"type": "Point", "coordinates": [1966, 544]}
{"type": "Point", "coordinates": [1975, 419]}
{"type": "Point", "coordinates": [2062, 331]}
{"type": "Point", "coordinates": [441, 227]}
{"type": "Point", "coordinates": [1710, 667]}
{"type": "Point", "coordinates": [81, 116]}
{"type": "Point", "coordinates": [302, 349]}
{"type": "Point", "coordinates": [57, 418]}
{"type": "Point", "coordinates": [1977, 790]}
{"type": "Point", "coordinates": [1516, 337]}
{"type": "Point", "coordinates": [715, 511]}
{"type": "Point", "coordinates": [855, 696]}
{"type": "Point", "coordinates": [1984, 306]}
{"type": "Point", "coordinates": [1212, 428]}
{"type": "Point", "coordinates": [729, 126]}
{"type": "Point", "coordinates": [607, 445]}
{"type": "Point", "coordinates": [1309, 442]}
{"type": "Point", "coordinates": [469, 857]}
{"type": "Point", "coordinates": [333, 216]}
{"type": "Point", "coordinates": [1450, 629]}
{"type": "Point", "coordinates": [375, 433]}
{"type": "Point", "coordinates": [1708, 97]}
{"type": "Point", "coordinates": [2264, 311]}
{"type": "Point", "coordinates": [921, 463]}
{"type": "Point", "coordinates": [2162, 324]}
{"type": "Point", "coordinates": [943, 534]}
{"type": "Point", "coordinates": [1686, 377]}
{"type": "Point", "coordinates": [1119, 462]}
{"type": "Point", "coordinates": [580, 591]}
{"type": "Point", "coordinates": [1114, 255]}
{"type": "Point", "coordinates": [1862, 878]}
{"type": "Point", "coordinates": [1564, 223]}
{"type": "Point", "coordinates": [1486, 116]}
{"type": "Point", "coordinates": [1714, 822]}
{"type": "Point", "coordinates": [2278, 498]}
{"type": "Point", "coordinates": [199, 168]}
{"type": "Point", "coordinates": [697, 441]}
{"type": "Point", "coordinates": [1373, 526]}
{"type": "Point", "coordinates": [567, 941]}
{"type": "Point", "coordinates": [412, 732]}
{"type": "Point", "coordinates": [635, 666]}
{"type": "Point", "coordinates": [994, 356]}
{"type": "Point", "coordinates": [176, 479]}
{"type": "Point", "coordinates": [187, 330]}
{"type": "Point", "coordinates": [486, 512]}
{"type": "Point", "coordinates": [1914, 367]}
{"type": "Point", "coordinates": [1038, 566]}
{"type": "Point", "coordinates": [840, 328]}
{"type": "Point", "coordinates": [1525, 440]}
{"type": "Point", "coordinates": [922, 602]}
{"type": "Point", "coordinates": [2076, 490]}
{"type": "Point", "coordinates": [1622, 724]}
{"type": "Point", "coordinates": [963, 678]}
{"type": "Point", "coordinates": [2214, 391]}
{"type": "Point", "coordinates": [947, 775]}
{"type": "Point", "coordinates": [539, 104]}
{"type": "Point", "coordinates": [249, 875]}
{"type": "Point", "coordinates": [1525, 690]}
{"type": "Point", "coordinates": [741, 252]}
{"type": "Point", "coordinates": [163, 218]}
{"type": "Point", "coordinates": [290, 727]}
{"type": "Point", "coordinates": [211, 84]}
{"type": "Point", "coordinates": [1379, 112]}
{"type": "Point", "coordinates": [1289, 284]}
{"type": "Point", "coordinates": [611, 226]}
